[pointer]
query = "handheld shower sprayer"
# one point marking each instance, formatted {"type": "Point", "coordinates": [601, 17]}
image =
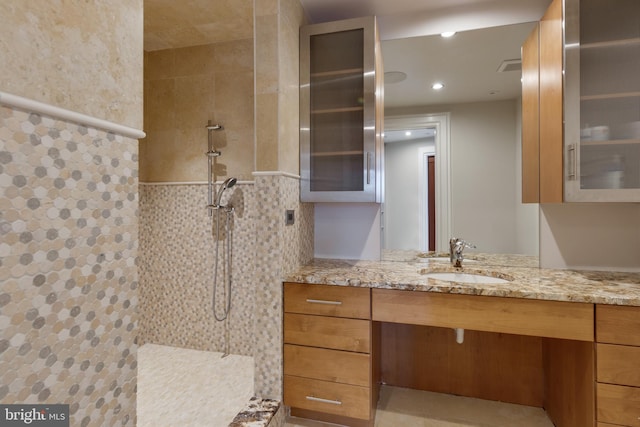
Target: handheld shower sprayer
{"type": "Point", "coordinates": [228, 183]}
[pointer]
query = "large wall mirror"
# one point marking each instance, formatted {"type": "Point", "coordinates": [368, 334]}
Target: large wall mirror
{"type": "Point", "coordinates": [455, 153]}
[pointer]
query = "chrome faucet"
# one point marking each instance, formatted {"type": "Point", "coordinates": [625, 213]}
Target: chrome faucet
{"type": "Point", "coordinates": [456, 247]}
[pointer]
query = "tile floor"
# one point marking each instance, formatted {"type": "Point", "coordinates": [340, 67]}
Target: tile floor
{"type": "Point", "coordinates": [182, 387]}
{"type": "Point", "coordinates": [400, 407]}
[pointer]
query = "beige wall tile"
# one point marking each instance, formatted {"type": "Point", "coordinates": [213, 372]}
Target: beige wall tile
{"type": "Point", "coordinates": [235, 55]}
{"type": "Point", "coordinates": [267, 132]}
{"type": "Point", "coordinates": [194, 60]}
{"type": "Point", "coordinates": [266, 54]}
{"type": "Point", "coordinates": [195, 101]}
{"type": "Point", "coordinates": [159, 112]}
{"type": "Point", "coordinates": [70, 55]}
{"type": "Point", "coordinates": [212, 82]}
{"type": "Point", "coordinates": [266, 7]}
{"type": "Point", "coordinates": [159, 64]}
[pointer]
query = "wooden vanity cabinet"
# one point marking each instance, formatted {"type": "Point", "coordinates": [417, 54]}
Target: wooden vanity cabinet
{"type": "Point", "coordinates": [328, 349]}
{"type": "Point", "coordinates": [618, 365]}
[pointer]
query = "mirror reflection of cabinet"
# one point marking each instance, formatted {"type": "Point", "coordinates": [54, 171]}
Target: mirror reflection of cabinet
{"type": "Point", "coordinates": [542, 140]}
{"type": "Point", "coordinates": [340, 112]}
{"type": "Point", "coordinates": [597, 157]}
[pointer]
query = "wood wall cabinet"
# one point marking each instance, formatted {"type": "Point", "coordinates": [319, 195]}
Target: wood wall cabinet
{"type": "Point", "coordinates": [618, 365]}
{"type": "Point", "coordinates": [341, 112]}
{"type": "Point", "coordinates": [588, 104]}
{"type": "Point", "coordinates": [542, 127]}
{"type": "Point", "coordinates": [329, 345]}
{"type": "Point", "coordinates": [531, 118]}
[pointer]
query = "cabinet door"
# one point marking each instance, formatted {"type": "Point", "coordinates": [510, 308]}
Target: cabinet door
{"type": "Point", "coordinates": [530, 119]}
{"type": "Point", "coordinates": [602, 100]}
{"type": "Point", "coordinates": [551, 104]}
{"type": "Point", "coordinates": [339, 133]}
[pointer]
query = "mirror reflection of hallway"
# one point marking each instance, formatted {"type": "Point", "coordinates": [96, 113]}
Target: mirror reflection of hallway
{"type": "Point", "coordinates": [409, 211]}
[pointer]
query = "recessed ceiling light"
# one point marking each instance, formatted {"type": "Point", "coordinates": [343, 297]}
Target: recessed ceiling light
{"type": "Point", "coordinates": [391, 77]}
{"type": "Point", "coordinates": [437, 86]}
{"type": "Point", "coordinates": [407, 133]}
{"type": "Point", "coordinates": [447, 34]}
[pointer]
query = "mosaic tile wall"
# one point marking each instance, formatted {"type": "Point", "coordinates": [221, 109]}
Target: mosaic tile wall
{"type": "Point", "coordinates": [177, 253]}
{"type": "Point", "coordinates": [280, 249]}
{"type": "Point", "coordinates": [68, 227]}
{"type": "Point", "coordinates": [176, 269]}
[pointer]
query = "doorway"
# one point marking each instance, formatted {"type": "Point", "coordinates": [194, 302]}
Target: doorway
{"type": "Point", "coordinates": [416, 206]}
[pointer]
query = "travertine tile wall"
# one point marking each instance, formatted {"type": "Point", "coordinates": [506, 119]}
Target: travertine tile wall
{"type": "Point", "coordinates": [277, 24]}
{"type": "Point", "coordinates": [79, 55]}
{"type": "Point", "coordinates": [186, 87]}
{"type": "Point", "coordinates": [68, 302]}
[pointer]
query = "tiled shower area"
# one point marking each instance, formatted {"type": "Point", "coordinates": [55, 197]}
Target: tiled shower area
{"type": "Point", "coordinates": [249, 87]}
{"type": "Point", "coordinates": [176, 264]}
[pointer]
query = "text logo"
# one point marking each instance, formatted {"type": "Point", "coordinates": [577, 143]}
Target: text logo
{"type": "Point", "coordinates": [34, 415]}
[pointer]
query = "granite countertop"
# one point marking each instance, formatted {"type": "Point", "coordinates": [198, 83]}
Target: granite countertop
{"type": "Point", "coordinates": [406, 272]}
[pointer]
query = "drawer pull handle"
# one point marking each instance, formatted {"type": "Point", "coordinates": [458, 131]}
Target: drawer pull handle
{"type": "Point", "coordinates": [321, 301]}
{"type": "Point", "coordinates": [317, 399]}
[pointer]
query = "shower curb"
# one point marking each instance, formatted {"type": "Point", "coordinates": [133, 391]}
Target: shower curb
{"type": "Point", "coordinates": [259, 413]}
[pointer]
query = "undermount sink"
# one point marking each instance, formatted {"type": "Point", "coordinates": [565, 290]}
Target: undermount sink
{"type": "Point", "coordinates": [465, 278]}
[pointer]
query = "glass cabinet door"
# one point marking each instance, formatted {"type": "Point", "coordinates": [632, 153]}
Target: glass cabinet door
{"type": "Point", "coordinates": [602, 100]}
{"type": "Point", "coordinates": [338, 160]}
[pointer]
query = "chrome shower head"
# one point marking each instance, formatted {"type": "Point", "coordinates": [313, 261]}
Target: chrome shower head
{"type": "Point", "coordinates": [228, 183]}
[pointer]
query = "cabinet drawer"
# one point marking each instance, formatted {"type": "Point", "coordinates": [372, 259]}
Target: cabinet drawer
{"type": "Point", "coordinates": [328, 365]}
{"type": "Point", "coordinates": [329, 332]}
{"type": "Point", "coordinates": [618, 405]}
{"type": "Point", "coordinates": [553, 319]}
{"type": "Point", "coordinates": [618, 364]}
{"type": "Point", "coordinates": [338, 301]}
{"type": "Point", "coordinates": [618, 324]}
{"type": "Point", "coordinates": [331, 398]}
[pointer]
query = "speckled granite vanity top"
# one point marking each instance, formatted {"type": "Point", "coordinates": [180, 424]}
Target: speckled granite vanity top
{"type": "Point", "coordinates": [406, 272]}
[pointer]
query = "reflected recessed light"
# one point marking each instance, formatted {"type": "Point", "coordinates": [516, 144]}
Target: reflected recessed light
{"type": "Point", "coordinates": [437, 86]}
{"type": "Point", "coordinates": [448, 34]}
{"type": "Point", "coordinates": [407, 133]}
{"type": "Point", "coordinates": [391, 77]}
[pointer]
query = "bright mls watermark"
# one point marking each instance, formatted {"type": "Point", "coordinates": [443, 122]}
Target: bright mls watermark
{"type": "Point", "coordinates": [34, 415]}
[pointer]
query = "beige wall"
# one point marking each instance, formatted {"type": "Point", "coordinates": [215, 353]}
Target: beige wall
{"type": "Point", "coordinates": [186, 87]}
{"type": "Point", "coordinates": [483, 165]}
{"type": "Point", "coordinates": [78, 55]}
{"type": "Point", "coordinates": [69, 208]}
{"type": "Point", "coordinates": [277, 84]}
{"type": "Point", "coordinates": [291, 18]}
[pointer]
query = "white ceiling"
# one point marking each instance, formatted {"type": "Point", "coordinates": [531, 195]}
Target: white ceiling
{"type": "Point", "coordinates": [467, 64]}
